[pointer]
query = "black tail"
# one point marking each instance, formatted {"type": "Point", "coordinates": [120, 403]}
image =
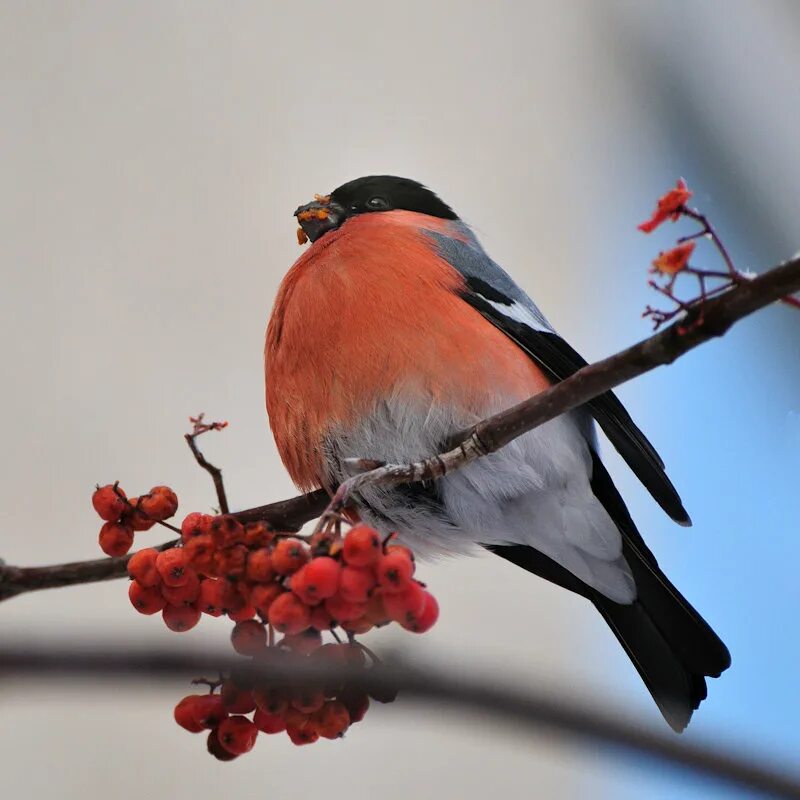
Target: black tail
{"type": "Point", "coordinates": [670, 644]}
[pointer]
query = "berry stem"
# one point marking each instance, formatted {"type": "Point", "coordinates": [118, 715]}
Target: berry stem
{"type": "Point", "coordinates": [361, 646]}
{"type": "Point", "coordinates": [198, 428]}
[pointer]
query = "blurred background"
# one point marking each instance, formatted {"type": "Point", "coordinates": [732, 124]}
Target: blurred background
{"type": "Point", "coordinates": [152, 155]}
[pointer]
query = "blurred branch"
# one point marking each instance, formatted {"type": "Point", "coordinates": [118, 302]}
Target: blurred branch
{"type": "Point", "coordinates": [700, 324]}
{"type": "Point", "coordinates": [535, 711]}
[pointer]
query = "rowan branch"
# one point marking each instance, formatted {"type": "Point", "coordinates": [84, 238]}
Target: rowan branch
{"type": "Point", "coordinates": [700, 324]}
{"type": "Point", "coordinates": [285, 515]}
{"type": "Point", "coordinates": [536, 711]}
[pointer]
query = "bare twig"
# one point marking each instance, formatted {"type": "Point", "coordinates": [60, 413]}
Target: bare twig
{"type": "Point", "coordinates": [198, 429]}
{"type": "Point", "coordinates": [535, 711]}
{"type": "Point", "coordinates": [731, 277]}
{"type": "Point", "coordinates": [487, 436]}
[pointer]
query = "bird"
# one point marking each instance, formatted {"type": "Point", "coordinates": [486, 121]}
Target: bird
{"type": "Point", "coordinates": [393, 332]}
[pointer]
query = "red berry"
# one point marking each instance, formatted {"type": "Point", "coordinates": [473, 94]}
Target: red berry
{"type": "Point", "coordinates": [235, 699]}
{"type": "Point", "coordinates": [185, 714]}
{"type": "Point", "coordinates": [160, 503]}
{"type": "Point", "coordinates": [199, 552]}
{"type": "Point", "coordinates": [394, 572]}
{"type": "Point", "coordinates": [195, 524]}
{"type": "Point", "coordinates": [216, 749]}
{"type": "Point", "coordinates": [233, 601]}
{"type": "Point", "coordinates": [183, 595]}
{"type": "Point", "coordinates": [288, 556]}
{"type": "Point", "coordinates": [115, 539]}
{"type": "Point", "coordinates": [343, 611]}
{"type": "Point", "coordinates": [355, 584]}
{"type": "Point", "coordinates": [180, 618]}
{"type": "Point", "coordinates": [244, 613]}
{"type": "Point", "coordinates": [317, 580]}
{"type": "Point", "coordinates": [289, 614]}
{"type": "Point", "coordinates": [226, 531]}
{"type": "Point", "coordinates": [249, 637]}
{"type": "Point", "coordinates": [400, 548]}
{"type": "Point", "coordinates": [321, 620]}
{"type": "Point", "coordinates": [172, 567]}
{"type": "Point", "coordinates": [376, 610]}
{"type": "Point", "coordinates": [356, 703]}
{"type": "Point", "coordinates": [426, 619]}
{"type": "Point", "coordinates": [362, 546]}
{"type": "Point", "coordinates": [257, 534]}
{"type": "Point", "coordinates": [272, 701]}
{"type": "Point", "coordinates": [231, 562]}
{"type": "Point", "coordinates": [209, 710]}
{"type": "Point", "coordinates": [298, 585]}
{"type": "Point", "coordinates": [108, 504]}
{"type": "Point", "coordinates": [300, 736]}
{"type": "Point", "coordinates": [406, 605]}
{"type": "Point", "coordinates": [259, 566]}
{"type": "Point", "coordinates": [146, 599]}
{"type": "Point", "coordinates": [237, 735]}
{"type": "Point", "coordinates": [262, 596]}
{"type": "Point", "coordinates": [268, 723]}
{"type": "Point", "coordinates": [210, 599]}
{"type": "Point", "coordinates": [332, 720]}
{"type": "Point", "coordinates": [307, 701]}
{"type": "Point", "coordinates": [136, 518]}
{"type": "Point", "coordinates": [142, 567]}
{"type": "Point", "coordinates": [358, 626]}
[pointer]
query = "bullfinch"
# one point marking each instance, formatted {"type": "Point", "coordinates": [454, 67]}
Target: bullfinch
{"type": "Point", "coordinates": [394, 331]}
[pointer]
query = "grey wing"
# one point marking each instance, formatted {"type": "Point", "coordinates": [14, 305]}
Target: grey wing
{"type": "Point", "coordinates": [493, 293]}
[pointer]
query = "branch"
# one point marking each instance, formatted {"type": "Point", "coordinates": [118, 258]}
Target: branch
{"type": "Point", "coordinates": [700, 325]}
{"type": "Point", "coordinates": [285, 515]}
{"type": "Point", "coordinates": [535, 711]}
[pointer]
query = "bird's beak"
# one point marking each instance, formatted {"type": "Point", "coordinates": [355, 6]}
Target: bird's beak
{"type": "Point", "coordinates": [317, 218]}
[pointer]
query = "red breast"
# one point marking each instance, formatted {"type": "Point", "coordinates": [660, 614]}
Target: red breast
{"type": "Point", "coordinates": [368, 310]}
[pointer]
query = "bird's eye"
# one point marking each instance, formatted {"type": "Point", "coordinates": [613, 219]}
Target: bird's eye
{"type": "Point", "coordinates": [377, 204]}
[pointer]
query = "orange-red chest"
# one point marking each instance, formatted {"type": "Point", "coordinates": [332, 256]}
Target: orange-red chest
{"type": "Point", "coordinates": [368, 312]}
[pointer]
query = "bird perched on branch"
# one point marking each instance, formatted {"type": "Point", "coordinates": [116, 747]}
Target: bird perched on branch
{"type": "Point", "coordinates": [393, 332]}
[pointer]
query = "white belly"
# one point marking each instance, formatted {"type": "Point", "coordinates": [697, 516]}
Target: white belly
{"type": "Point", "coordinates": [535, 491]}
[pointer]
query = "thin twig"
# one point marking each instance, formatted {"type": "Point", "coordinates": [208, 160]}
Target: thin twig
{"type": "Point", "coordinates": [536, 711]}
{"type": "Point", "coordinates": [731, 278]}
{"type": "Point", "coordinates": [198, 429]}
{"type": "Point", "coordinates": [709, 230]}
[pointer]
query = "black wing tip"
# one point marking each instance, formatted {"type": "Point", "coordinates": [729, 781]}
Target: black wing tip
{"type": "Point", "coordinates": [679, 514]}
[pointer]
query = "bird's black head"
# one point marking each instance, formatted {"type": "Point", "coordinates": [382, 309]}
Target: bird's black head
{"type": "Point", "coordinates": [369, 195]}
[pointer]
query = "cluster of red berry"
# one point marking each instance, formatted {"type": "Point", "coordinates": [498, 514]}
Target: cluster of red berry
{"type": "Point", "coordinates": [123, 515]}
{"type": "Point", "coordinates": [266, 581]}
{"type": "Point", "coordinates": [304, 713]}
